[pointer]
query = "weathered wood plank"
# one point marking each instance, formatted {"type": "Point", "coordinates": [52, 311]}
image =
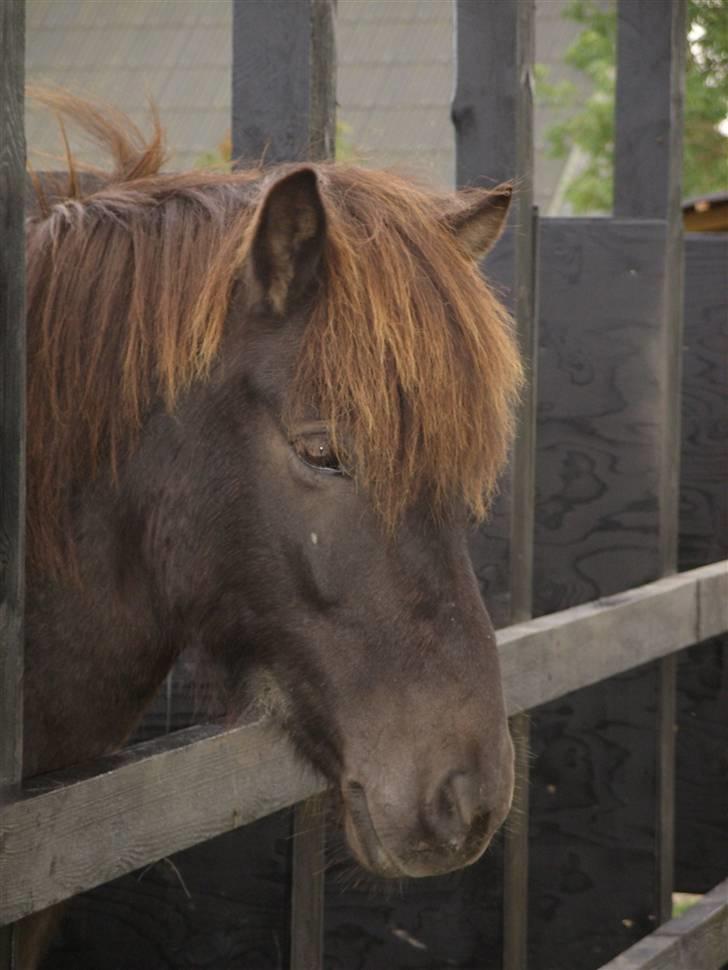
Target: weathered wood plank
{"type": "Point", "coordinates": [284, 105]}
{"type": "Point", "coordinates": [139, 806]}
{"type": "Point", "coordinates": [220, 904]}
{"type": "Point", "coordinates": [594, 773]}
{"type": "Point", "coordinates": [651, 41]}
{"type": "Point", "coordinates": [697, 939]}
{"type": "Point", "coordinates": [74, 830]}
{"type": "Point", "coordinates": [494, 65]}
{"type": "Point", "coordinates": [599, 397]}
{"type": "Point", "coordinates": [600, 525]}
{"type": "Point", "coordinates": [703, 492]}
{"type": "Point", "coordinates": [548, 657]}
{"type": "Point", "coordinates": [701, 830]}
{"type": "Point", "coordinates": [651, 38]}
{"type": "Point", "coordinates": [666, 718]}
{"type": "Point", "coordinates": [12, 407]}
{"type": "Point", "coordinates": [12, 388]}
{"type": "Point", "coordinates": [494, 93]}
{"type": "Point", "coordinates": [308, 877]}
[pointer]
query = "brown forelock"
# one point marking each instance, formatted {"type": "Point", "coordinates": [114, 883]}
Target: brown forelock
{"type": "Point", "coordinates": [408, 354]}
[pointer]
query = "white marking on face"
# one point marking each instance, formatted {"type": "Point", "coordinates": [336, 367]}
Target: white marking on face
{"type": "Point", "coordinates": [314, 539]}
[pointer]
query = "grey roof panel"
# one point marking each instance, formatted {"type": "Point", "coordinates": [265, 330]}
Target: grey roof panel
{"type": "Point", "coordinates": [395, 72]}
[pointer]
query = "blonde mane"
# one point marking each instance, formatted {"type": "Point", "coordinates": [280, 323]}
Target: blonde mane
{"type": "Point", "coordinates": [407, 353]}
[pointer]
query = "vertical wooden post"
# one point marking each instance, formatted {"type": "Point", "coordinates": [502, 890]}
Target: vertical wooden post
{"type": "Point", "coordinates": [651, 41]}
{"type": "Point", "coordinates": [701, 783]}
{"type": "Point", "coordinates": [284, 110]}
{"type": "Point", "coordinates": [648, 184]}
{"type": "Point", "coordinates": [12, 404]}
{"type": "Point", "coordinates": [284, 69]}
{"type": "Point", "coordinates": [601, 798]}
{"type": "Point", "coordinates": [308, 884]}
{"type": "Point", "coordinates": [493, 117]}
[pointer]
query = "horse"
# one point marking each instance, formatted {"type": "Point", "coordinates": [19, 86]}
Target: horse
{"type": "Point", "coordinates": [265, 407]}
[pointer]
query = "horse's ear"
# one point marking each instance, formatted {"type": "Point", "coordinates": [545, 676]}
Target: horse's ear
{"type": "Point", "coordinates": [480, 218]}
{"type": "Point", "coordinates": [288, 240]}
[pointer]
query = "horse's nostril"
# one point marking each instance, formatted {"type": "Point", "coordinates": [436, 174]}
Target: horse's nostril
{"type": "Point", "coordinates": [456, 810]}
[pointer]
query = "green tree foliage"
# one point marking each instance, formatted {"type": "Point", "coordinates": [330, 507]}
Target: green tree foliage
{"type": "Point", "coordinates": [591, 128]}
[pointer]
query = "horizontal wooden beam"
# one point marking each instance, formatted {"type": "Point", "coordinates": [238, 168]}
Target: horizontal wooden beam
{"type": "Point", "coordinates": [548, 657]}
{"type": "Point", "coordinates": [698, 938]}
{"type": "Point", "coordinates": [76, 829]}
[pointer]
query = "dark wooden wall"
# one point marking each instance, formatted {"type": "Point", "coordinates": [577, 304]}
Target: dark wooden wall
{"type": "Point", "coordinates": [701, 825]}
{"type": "Point", "coordinates": [593, 836]}
{"type": "Point", "coordinates": [601, 835]}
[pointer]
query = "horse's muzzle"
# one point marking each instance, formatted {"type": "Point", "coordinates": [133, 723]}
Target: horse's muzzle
{"type": "Point", "coordinates": [449, 830]}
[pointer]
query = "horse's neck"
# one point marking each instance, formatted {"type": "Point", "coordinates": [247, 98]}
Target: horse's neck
{"type": "Point", "coordinates": [95, 656]}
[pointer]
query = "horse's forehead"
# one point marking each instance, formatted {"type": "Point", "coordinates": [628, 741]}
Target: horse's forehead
{"type": "Point", "coordinates": [262, 350]}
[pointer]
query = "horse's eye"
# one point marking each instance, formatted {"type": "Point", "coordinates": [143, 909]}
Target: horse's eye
{"type": "Point", "coordinates": [317, 451]}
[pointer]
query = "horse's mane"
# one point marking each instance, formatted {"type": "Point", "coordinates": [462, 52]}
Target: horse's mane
{"type": "Point", "coordinates": [407, 352]}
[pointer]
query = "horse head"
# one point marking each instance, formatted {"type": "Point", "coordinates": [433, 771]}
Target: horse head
{"type": "Point", "coordinates": [323, 386]}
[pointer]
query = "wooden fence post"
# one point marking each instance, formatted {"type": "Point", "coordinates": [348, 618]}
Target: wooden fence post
{"type": "Point", "coordinates": [12, 406]}
{"type": "Point", "coordinates": [493, 116]}
{"type": "Point", "coordinates": [284, 110]}
{"type": "Point", "coordinates": [701, 782]}
{"type": "Point", "coordinates": [284, 67]}
{"type": "Point", "coordinates": [648, 184]}
{"type": "Point", "coordinates": [606, 516]}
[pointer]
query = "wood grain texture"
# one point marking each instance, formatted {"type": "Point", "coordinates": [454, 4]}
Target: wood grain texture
{"type": "Point", "coordinates": [701, 843]}
{"type": "Point", "coordinates": [599, 396]}
{"type": "Point", "coordinates": [222, 904]}
{"type": "Point", "coordinates": [12, 409]}
{"type": "Point", "coordinates": [307, 884]}
{"type": "Point", "coordinates": [648, 112]}
{"type": "Point", "coordinates": [73, 830]}
{"type": "Point", "coordinates": [703, 492]}
{"type": "Point", "coordinates": [598, 484]}
{"type": "Point", "coordinates": [494, 93]}
{"type": "Point", "coordinates": [698, 939]}
{"type": "Point", "coordinates": [138, 806]}
{"type": "Point", "coordinates": [651, 43]}
{"type": "Point", "coordinates": [701, 802]}
{"type": "Point", "coordinates": [551, 656]}
{"type": "Point", "coordinates": [283, 90]}
{"type": "Point", "coordinates": [12, 388]}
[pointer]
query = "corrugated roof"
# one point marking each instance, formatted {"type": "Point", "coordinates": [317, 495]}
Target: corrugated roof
{"type": "Point", "coordinates": [395, 73]}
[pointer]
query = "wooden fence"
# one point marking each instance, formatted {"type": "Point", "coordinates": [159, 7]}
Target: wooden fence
{"type": "Point", "coordinates": [586, 538]}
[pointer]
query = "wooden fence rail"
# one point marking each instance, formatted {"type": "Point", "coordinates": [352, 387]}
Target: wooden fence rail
{"type": "Point", "coordinates": [697, 940]}
{"type": "Point", "coordinates": [76, 829]}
